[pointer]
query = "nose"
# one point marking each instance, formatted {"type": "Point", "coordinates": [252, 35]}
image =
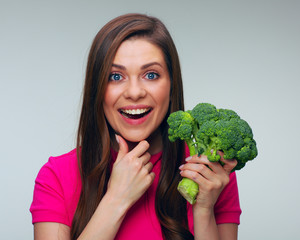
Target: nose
{"type": "Point", "coordinates": [135, 89]}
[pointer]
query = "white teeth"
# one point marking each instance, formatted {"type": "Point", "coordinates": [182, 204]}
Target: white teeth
{"type": "Point", "coordinates": [135, 111]}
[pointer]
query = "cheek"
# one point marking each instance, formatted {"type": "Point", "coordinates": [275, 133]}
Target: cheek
{"type": "Point", "coordinates": [165, 90]}
{"type": "Point", "coordinates": [110, 97]}
{"type": "Point", "coordinates": [106, 104]}
{"type": "Point", "coordinates": [110, 100]}
{"type": "Point", "coordinates": [107, 95]}
{"type": "Point", "coordinates": [163, 96]}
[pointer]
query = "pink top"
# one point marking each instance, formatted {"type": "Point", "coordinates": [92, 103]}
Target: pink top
{"type": "Point", "coordinates": [57, 191]}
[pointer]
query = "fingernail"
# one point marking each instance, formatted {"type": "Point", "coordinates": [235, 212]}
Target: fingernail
{"type": "Point", "coordinates": [181, 166]}
{"type": "Point", "coordinates": [117, 139]}
{"type": "Point", "coordinates": [188, 158]}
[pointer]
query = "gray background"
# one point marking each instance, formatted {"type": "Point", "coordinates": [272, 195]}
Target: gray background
{"type": "Point", "coordinates": [242, 55]}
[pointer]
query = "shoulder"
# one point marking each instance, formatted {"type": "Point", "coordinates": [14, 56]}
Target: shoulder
{"type": "Point", "coordinates": [61, 172]}
{"type": "Point", "coordinates": [67, 159]}
{"type": "Point", "coordinates": [60, 165]}
{"type": "Point", "coordinates": [56, 191]}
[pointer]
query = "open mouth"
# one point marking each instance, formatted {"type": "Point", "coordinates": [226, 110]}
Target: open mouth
{"type": "Point", "coordinates": [135, 113]}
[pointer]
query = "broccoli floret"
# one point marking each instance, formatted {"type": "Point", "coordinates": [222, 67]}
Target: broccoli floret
{"type": "Point", "coordinates": [208, 130]}
{"type": "Point", "coordinates": [227, 114]}
{"type": "Point", "coordinates": [204, 112]}
{"type": "Point", "coordinates": [183, 126]}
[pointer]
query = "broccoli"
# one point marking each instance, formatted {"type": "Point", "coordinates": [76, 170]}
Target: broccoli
{"type": "Point", "coordinates": [208, 130]}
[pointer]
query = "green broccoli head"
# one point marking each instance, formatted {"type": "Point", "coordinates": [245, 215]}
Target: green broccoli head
{"type": "Point", "coordinates": [233, 136]}
{"type": "Point", "coordinates": [180, 125]}
{"type": "Point", "coordinates": [248, 151]}
{"type": "Point", "coordinates": [208, 130]}
{"type": "Point", "coordinates": [227, 114]}
{"type": "Point", "coordinates": [244, 145]}
{"type": "Point", "coordinates": [204, 112]}
{"type": "Point", "coordinates": [207, 142]}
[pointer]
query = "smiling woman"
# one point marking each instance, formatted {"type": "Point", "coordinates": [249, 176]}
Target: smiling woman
{"type": "Point", "coordinates": [121, 180]}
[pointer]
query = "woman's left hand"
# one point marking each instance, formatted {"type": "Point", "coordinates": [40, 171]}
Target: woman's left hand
{"type": "Point", "coordinates": [211, 177]}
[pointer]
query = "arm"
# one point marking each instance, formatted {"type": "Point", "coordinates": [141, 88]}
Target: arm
{"type": "Point", "coordinates": [50, 231]}
{"type": "Point", "coordinates": [103, 225]}
{"type": "Point", "coordinates": [211, 178]}
{"type": "Point", "coordinates": [106, 220]}
{"type": "Point", "coordinates": [210, 230]}
{"type": "Point", "coordinates": [228, 231]}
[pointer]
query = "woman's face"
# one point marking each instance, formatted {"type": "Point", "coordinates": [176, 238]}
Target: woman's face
{"type": "Point", "coordinates": [138, 91]}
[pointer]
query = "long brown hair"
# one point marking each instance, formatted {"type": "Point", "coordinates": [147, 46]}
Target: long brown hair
{"type": "Point", "coordinates": [94, 133]}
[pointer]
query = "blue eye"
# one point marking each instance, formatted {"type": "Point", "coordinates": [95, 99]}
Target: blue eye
{"type": "Point", "coordinates": [152, 75]}
{"type": "Point", "coordinates": [115, 77]}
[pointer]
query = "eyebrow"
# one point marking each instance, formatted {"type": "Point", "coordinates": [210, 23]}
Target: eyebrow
{"type": "Point", "coordinates": [142, 67]}
{"type": "Point", "coordinates": [119, 66]}
{"type": "Point", "coordinates": [151, 64]}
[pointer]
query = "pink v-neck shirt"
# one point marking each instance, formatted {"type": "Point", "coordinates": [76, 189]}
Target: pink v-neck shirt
{"type": "Point", "coordinates": [57, 191]}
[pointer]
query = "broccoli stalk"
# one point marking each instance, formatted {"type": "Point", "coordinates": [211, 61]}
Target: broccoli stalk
{"type": "Point", "coordinates": [208, 130]}
{"type": "Point", "coordinates": [187, 187]}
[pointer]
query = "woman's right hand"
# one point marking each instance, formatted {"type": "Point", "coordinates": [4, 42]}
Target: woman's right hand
{"type": "Point", "coordinates": [131, 176]}
{"type": "Point", "coordinates": [131, 173]}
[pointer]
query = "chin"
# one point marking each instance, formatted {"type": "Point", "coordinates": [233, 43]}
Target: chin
{"type": "Point", "coordinates": [134, 139]}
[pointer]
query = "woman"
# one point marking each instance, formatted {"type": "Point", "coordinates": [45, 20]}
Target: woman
{"type": "Point", "coordinates": [124, 183]}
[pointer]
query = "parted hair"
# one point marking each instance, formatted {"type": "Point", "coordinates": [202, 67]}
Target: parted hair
{"type": "Point", "coordinates": [94, 138]}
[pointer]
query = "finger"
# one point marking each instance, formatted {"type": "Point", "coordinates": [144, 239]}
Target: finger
{"type": "Point", "coordinates": [197, 159]}
{"type": "Point", "coordinates": [151, 176]}
{"type": "Point", "coordinates": [191, 158]}
{"type": "Point", "coordinates": [229, 164]}
{"type": "Point", "coordinates": [214, 166]}
{"type": "Point", "coordinates": [140, 149]}
{"type": "Point", "coordinates": [148, 167]}
{"type": "Point", "coordinates": [199, 168]}
{"type": "Point", "coordinates": [145, 158]}
{"type": "Point", "coordinates": [202, 159]}
{"type": "Point", "coordinates": [123, 147]}
{"type": "Point", "coordinates": [195, 176]}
